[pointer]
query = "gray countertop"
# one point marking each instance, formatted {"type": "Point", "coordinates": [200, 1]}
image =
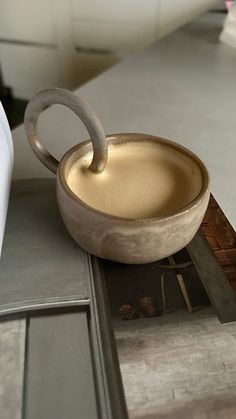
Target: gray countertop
{"type": "Point", "coordinates": [181, 88]}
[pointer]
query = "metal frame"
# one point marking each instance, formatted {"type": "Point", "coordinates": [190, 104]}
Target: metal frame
{"type": "Point", "coordinates": [115, 404]}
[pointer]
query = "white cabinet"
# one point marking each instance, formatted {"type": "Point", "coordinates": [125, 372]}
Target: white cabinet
{"type": "Point", "coordinates": [123, 26]}
{"type": "Point", "coordinates": [38, 48]}
{"type": "Point", "coordinates": [175, 13]}
{"type": "Point", "coordinates": [107, 36]}
{"type": "Point", "coordinates": [65, 42]}
{"type": "Point", "coordinates": [125, 11]}
{"type": "Point", "coordinates": [29, 69]}
{"type": "Point", "coordinates": [127, 25]}
{"type": "Point", "coordinates": [27, 21]}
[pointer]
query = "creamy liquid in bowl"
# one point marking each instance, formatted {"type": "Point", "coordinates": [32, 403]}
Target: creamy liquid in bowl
{"type": "Point", "coordinates": [141, 180]}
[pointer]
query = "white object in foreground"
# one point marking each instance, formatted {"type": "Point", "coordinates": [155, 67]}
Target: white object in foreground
{"type": "Point", "coordinates": [6, 165]}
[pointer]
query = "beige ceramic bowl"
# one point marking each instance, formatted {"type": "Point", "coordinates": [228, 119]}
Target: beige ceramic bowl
{"type": "Point", "coordinates": [107, 236]}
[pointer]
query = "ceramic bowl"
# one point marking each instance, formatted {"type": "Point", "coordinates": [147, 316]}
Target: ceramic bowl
{"type": "Point", "coordinates": [104, 235]}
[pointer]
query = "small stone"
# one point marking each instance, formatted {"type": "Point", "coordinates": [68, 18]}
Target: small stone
{"type": "Point", "coordinates": [127, 312]}
{"type": "Point", "coordinates": [148, 307]}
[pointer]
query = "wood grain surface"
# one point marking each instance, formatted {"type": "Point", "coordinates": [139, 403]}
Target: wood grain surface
{"type": "Point", "coordinates": [222, 239]}
{"type": "Point", "coordinates": [178, 366]}
{"type": "Point", "coordinates": [12, 359]}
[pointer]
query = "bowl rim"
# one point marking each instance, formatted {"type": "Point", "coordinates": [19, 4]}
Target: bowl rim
{"type": "Point", "coordinates": [134, 137]}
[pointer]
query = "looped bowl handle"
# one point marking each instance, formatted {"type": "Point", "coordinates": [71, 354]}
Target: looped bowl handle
{"type": "Point", "coordinates": [64, 97]}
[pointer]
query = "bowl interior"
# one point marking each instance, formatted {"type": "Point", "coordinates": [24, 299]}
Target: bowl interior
{"type": "Point", "coordinates": [145, 177]}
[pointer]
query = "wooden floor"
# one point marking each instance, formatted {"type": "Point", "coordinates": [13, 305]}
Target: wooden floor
{"type": "Point", "coordinates": [178, 366]}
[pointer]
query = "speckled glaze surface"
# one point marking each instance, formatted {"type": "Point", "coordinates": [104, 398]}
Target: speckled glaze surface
{"type": "Point", "coordinates": [104, 235]}
{"type": "Point", "coordinates": [123, 240]}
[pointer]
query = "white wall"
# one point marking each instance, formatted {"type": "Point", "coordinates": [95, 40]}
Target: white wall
{"type": "Point", "coordinates": [66, 42]}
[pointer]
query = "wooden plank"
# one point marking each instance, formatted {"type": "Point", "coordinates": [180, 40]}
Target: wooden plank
{"type": "Point", "coordinates": [213, 278]}
{"type": "Point", "coordinates": [178, 366]}
{"type": "Point", "coordinates": [12, 356]}
{"type": "Point", "coordinates": [221, 238]}
{"type": "Point", "coordinates": [59, 377]}
{"type": "Point", "coordinates": [227, 258]}
{"type": "Point", "coordinates": [183, 288]}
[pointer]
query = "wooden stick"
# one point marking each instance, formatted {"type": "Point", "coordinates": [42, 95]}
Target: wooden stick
{"type": "Point", "coordinates": [163, 294]}
{"type": "Point", "coordinates": [183, 288]}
